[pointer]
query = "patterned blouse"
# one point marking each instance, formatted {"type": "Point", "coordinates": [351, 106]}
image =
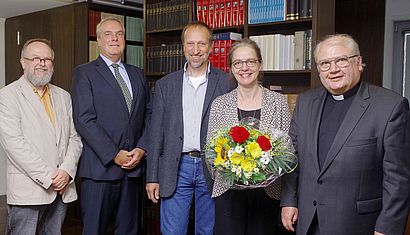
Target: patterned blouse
{"type": "Point", "coordinates": [274, 115]}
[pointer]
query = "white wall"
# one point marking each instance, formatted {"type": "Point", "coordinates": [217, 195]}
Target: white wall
{"type": "Point", "coordinates": [396, 10]}
{"type": "Point", "coordinates": [2, 82]}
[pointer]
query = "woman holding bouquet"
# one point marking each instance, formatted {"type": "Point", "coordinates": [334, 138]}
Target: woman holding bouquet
{"type": "Point", "coordinates": [247, 210]}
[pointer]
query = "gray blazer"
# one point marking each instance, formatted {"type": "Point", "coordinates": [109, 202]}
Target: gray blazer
{"type": "Point", "coordinates": [167, 126]}
{"type": "Point", "coordinates": [364, 184]}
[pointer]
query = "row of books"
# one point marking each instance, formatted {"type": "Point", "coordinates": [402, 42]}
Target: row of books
{"type": "Point", "coordinates": [135, 55]}
{"type": "Point", "coordinates": [262, 11]}
{"type": "Point", "coordinates": [134, 26]}
{"type": "Point", "coordinates": [165, 58]}
{"type": "Point", "coordinates": [167, 15]}
{"type": "Point", "coordinates": [220, 13]}
{"type": "Point", "coordinates": [134, 29]}
{"type": "Point", "coordinates": [285, 52]}
{"type": "Point", "coordinates": [298, 9]}
{"type": "Point", "coordinates": [221, 44]}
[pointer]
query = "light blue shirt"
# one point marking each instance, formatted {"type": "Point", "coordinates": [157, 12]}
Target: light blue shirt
{"type": "Point", "coordinates": [122, 70]}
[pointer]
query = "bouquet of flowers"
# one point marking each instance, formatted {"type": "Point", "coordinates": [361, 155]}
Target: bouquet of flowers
{"type": "Point", "coordinates": [246, 157]}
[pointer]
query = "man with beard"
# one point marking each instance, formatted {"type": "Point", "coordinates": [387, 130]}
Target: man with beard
{"type": "Point", "coordinates": [179, 124]}
{"type": "Point", "coordinates": [41, 144]}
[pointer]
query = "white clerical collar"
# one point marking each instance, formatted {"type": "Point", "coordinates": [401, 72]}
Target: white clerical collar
{"type": "Point", "coordinates": [338, 97]}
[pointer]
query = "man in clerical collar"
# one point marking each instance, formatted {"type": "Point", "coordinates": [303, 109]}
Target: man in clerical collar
{"type": "Point", "coordinates": [41, 145]}
{"type": "Point", "coordinates": [352, 141]}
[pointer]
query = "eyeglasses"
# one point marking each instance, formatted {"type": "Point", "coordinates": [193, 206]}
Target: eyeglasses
{"type": "Point", "coordinates": [249, 62]}
{"type": "Point", "coordinates": [341, 62]}
{"type": "Point", "coordinates": [38, 60]}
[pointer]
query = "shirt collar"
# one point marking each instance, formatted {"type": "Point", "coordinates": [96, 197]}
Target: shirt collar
{"type": "Point", "coordinates": [186, 68]}
{"type": "Point", "coordinates": [109, 62]}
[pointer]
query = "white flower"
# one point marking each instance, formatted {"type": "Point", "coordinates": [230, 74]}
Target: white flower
{"type": "Point", "coordinates": [230, 152]}
{"type": "Point", "coordinates": [233, 169]}
{"type": "Point", "coordinates": [246, 182]}
{"type": "Point", "coordinates": [265, 160]}
{"type": "Point", "coordinates": [239, 149]}
{"type": "Point", "coordinates": [256, 170]}
{"type": "Point", "coordinates": [238, 171]}
{"type": "Point", "coordinates": [248, 175]}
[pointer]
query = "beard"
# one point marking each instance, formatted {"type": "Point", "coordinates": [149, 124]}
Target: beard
{"type": "Point", "coordinates": [39, 81]}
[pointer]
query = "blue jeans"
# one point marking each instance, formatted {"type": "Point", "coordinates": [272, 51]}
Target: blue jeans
{"type": "Point", "coordinates": [25, 219]}
{"type": "Point", "coordinates": [174, 215]}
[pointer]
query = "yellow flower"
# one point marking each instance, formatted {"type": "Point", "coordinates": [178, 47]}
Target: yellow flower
{"type": "Point", "coordinates": [254, 133]}
{"type": "Point", "coordinates": [219, 161]}
{"type": "Point", "coordinates": [248, 165]}
{"type": "Point", "coordinates": [236, 158]}
{"type": "Point", "coordinates": [222, 148]}
{"type": "Point", "coordinates": [254, 150]}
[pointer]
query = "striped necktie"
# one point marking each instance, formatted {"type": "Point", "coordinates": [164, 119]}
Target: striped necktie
{"type": "Point", "coordinates": [125, 92]}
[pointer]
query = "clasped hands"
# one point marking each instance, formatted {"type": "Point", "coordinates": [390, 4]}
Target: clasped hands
{"type": "Point", "coordinates": [60, 180]}
{"type": "Point", "coordinates": [129, 159]}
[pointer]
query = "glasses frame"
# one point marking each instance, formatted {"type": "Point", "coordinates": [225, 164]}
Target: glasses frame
{"type": "Point", "coordinates": [39, 60]}
{"type": "Point", "coordinates": [240, 65]}
{"type": "Point", "coordinates": [334, 60]}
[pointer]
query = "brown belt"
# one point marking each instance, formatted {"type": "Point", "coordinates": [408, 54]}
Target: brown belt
{"type": "Point", "coordinates": [193, 153]}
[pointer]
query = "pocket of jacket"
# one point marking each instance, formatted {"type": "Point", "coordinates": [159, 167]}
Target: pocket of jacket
{"type": "Point", "coordinates": [361, 141]}
{"type": "Point", "coordinates": [369, 206]}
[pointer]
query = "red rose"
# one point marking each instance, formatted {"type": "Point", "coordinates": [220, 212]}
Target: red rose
{"type": "Point", "coordinates": [264, 143]}
{"type": "Point", "coordinates": [239, 134]}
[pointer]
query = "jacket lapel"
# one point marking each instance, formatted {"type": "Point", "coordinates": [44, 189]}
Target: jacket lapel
{"type": "Point", "coordinates": [315, 117]}
{"type": "Point", "coordinates": [178, 87]}
{"type": "Point", "coordinates": [106, 73]}
{"type": "Point", "coordinates": [135, 85]}
{"type": "Point", "coordinates": [34, 101]}
{"type": "Point", "coordinates": [57, 106]}
{"type": "Point", "coordinates": [210, 90]}
{"type": "Point", "coordinates": [353, 116]}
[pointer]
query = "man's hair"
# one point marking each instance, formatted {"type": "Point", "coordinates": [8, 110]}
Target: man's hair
{"type": "Point", "coordinates": [98, 31]}
{"type": "Point", "coordinates": [42, 40]}
{"type": "Point", "coordinates": [338, 39]}
{"type": "Point", "coordinates": [196, 24]}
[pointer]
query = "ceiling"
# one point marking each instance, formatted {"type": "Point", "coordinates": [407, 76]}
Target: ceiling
{"type": "Point", "coordinates": [10, 8]}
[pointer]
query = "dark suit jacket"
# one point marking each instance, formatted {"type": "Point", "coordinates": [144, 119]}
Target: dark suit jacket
{"type": "Point", "coordinates": [363, 185]}
{"type": "Point", "coordinates": [167, 126]}
{"type": "Point", "coordinates": [102, 119]}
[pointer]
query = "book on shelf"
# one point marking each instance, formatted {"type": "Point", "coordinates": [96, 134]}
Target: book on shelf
{"type": "Point", "coordinates": [292, 9]}
{"type": "Point", "coordinates": [221, 13]}
{"type": "Point", "coordinates": [261, 11]}
{"type": "Point", "coordinates": [94, 17]}
{"type": "Point", "coordinates": [93, 52]}
{"type": "Point", "coordinates": [227, 36]}
{"type": "Point", "coordinates": [305, 9]}
{"type": "Point", "coordinates": [168, 14]}
{"type": "Point", "coordinates": [165, 58]}
{"type": "Point", "coordinates": [285, 52]}
{"type": "Point", "coordinates": [134, 55]}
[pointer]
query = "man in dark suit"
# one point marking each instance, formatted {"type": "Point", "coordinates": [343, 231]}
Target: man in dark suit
{"type": "Point", "coordinates": [111, 108]}
{"type": "Point", "coordinates": [352, 140]}
{"type": "Point", "coordinates": [179, 124]}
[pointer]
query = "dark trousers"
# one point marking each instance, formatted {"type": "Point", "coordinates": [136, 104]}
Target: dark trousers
{"type": "Point", "coordinates": [103, 202]}
{"type": "Point", "coordinates": [246, 212]}
{"type": "Point", "coordinates": [314, 226]}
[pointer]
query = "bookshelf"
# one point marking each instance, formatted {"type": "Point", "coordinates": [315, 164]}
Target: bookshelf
{"type": "Point", "coordinates": [291, 80]}
{"type": "Point", "coordinates": [71, 30]}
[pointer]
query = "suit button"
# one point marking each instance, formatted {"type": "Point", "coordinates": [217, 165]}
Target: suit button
{"type": "Point", "coordinates": [180, 137]}
{"type": "Point", "coordinates": [320, 182]}
{"type": "Point", "coordinates": [127, 141]}
{"type": "Point", "coordinates": [177, 159]}
{"type": "Point", "coordinates": [314, 203]}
